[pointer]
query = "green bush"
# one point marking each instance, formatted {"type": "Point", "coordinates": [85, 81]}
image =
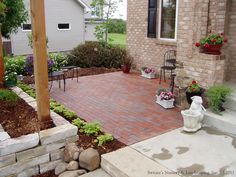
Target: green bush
{"type": "Point", "coordinates": [59, 60]}
{"type": "Point", "coordinates": [78, 122]}
{"type": "Point", "coordinates": [92, 128]}
{"type": "Point", "coordinates": [102, 139]}
{"type": "Point", "coordinates": [8, 95]}
{"type": "Point", "coordinates": [95, 54]}
{"type": "Point", "coordinates": [15, 64]}
{"type": "Point", "coordinates": [217, 95]}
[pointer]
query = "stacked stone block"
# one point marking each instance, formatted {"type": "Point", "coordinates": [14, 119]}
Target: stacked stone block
{"type": "Point", "coordinates": [38, 152]}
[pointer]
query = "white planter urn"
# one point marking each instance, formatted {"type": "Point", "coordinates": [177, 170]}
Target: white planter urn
{"type": "Point", "coordinates": [194, 115]}
{"type": "Point", "coordinates": [148, 75]}
{"type": "Point", "coordinates": [167, 104]}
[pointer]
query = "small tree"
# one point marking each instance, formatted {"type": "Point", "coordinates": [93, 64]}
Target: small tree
{"type": "Point", "coordinates": [105, 10]}
{"type": "Point", "coordinates": [12, 15]}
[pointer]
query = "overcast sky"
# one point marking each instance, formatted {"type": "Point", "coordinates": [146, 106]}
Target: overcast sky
{"type": "Point", "coordinates": [121, 11]}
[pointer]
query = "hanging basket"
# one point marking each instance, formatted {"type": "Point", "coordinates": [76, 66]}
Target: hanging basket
{"type": "Point", "coordinates": [212, 49]}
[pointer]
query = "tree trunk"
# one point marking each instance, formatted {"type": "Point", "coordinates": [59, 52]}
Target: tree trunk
{"type": "Point", "coordinates": [40, 60]}
{"type": "Point", "coordinates": [1, 60]}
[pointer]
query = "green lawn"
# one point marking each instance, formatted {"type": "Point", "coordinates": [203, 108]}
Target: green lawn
{"type": "Point", "coordinates": [118, 39]}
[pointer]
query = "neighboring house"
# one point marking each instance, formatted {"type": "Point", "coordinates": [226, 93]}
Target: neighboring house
{"type": "Point", "coordinates": [155, 26]}
{"type": "Point", "coordinates": [65, 27]}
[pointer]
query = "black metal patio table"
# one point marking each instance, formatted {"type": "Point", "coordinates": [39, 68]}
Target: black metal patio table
{"type": "Point", "coordinates": [73, 68]}
{"type": "Point", "coordinates": [58, 76]}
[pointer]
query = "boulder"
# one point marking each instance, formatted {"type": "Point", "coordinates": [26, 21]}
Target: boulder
{"type": "Point", "coordinates": [73, 165]}
{"type": "Point", "coordinates": [75, 173]}
{"type": "Point", "coordinates": [89, 159]}
{"type": "Point", "coordinates": [71, 152]}
{"type": "Point", "coordinates": [61, 167]}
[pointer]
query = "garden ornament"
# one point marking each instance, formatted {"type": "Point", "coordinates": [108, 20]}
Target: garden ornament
{"type": "Point", "coordinates": [194, 115]}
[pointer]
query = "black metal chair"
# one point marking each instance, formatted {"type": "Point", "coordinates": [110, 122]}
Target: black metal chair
{"type": "Point", "coordinates": [168, 64]}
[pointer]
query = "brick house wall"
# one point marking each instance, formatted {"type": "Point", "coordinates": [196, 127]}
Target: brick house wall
{"type": "Point", "coordinates": [195, 20]}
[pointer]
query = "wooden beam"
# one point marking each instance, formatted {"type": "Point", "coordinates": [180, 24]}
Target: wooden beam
{"type": "Point", "coordinates": [1, 60]}
{"type": "Point", "coordinates": [40, 59]}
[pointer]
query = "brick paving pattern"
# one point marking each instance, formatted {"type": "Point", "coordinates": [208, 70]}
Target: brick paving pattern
{"type": "Point", "coordinates": [123, 103]}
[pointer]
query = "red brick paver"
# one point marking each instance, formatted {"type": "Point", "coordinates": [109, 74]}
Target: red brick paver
{"type": "Point", "coordinates": [123, 103]}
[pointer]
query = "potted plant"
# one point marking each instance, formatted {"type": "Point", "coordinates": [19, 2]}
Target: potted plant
{"type": "Point", "coordinates": [212, 44]}
{"type": "Point", "coordinates": [149, 73]}
{"type": "Point", "coordinates": [193, 89]}
{"type": "Point", "coordinates": [10, 79]}
{"type": "Point", "coordinates": [217, 95]}
{"type": "Point", "coordinates": [165, 98]}
{"type": "Point", "coordinates": [126, 63]}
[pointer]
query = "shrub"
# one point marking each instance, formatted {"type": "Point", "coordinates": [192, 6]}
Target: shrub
{"type": "Point", "coordinates": [15, 64]}
{"type": "Point", "coordinates": [95, 54]}
{"type": "Point", "coordinates": [92, 128]}
{"type": "Point", "coordinates": [217, 95]}
{"type": "Point", "coordinates": [78, 122]}
{"type": "Point", "coordinates": [59, 60]}
{"type": "Point", "coordinates": [102, 139]}
{"type": "Point", "coordinates": [7, 95]}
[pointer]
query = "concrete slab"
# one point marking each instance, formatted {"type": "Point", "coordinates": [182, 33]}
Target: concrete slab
{"type": "Point", "coordinates": [97, 173]}
{"type": "Point", "coordinates": [207, 151]}
{"type": "Point", "coordinates": [127, 162]}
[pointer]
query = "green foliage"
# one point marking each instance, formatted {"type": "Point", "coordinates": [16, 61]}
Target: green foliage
{"type": "Point", "coordinates": [95, 54]}
{"type": "Point", "coordinates": [102, 139]}
{"type": "Point", "coordinates": [78, 122]}
{"type": "Point", "coordinates": [27, 89]}
{"type": "Point", "coordinates": [60, 109]}
{"type": "Point", "coordinates": [59, 60]}
{"type": "Point", "coordinates": [8, 95]}
{"type": "Point", "coordinates": [12, 16]}
{"type": "Point", "coordinates": [69, 114]}
{"type": "Point", "coordinates": [15, 64]}
{"type": "Point", "coordinates": [117, 26]}
{"type": "Point", "coordinates": [217, 95]}
{"type": "Point", "coordinates": [212, 39]}
{"type": "Point", "coordinates": [193, 87]}
{"type": "Point", "coordinates": [92, 128]}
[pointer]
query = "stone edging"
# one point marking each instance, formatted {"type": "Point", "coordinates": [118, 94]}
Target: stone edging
{"type": "Point", "coordinates": [38, 152]}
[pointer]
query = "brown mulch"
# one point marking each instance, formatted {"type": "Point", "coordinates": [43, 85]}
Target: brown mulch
{"type": "Point", "coordinates": [47, 174]}
{"type": "Point", "coordinates": [19, 118]}
{"type": "Point", "coordinates": [81, 72]}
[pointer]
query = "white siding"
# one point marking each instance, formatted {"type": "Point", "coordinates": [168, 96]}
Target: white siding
{"type": "Point", "coordinates": [56, 11]}
{"type": "Point", "coordinates": [89, 32]}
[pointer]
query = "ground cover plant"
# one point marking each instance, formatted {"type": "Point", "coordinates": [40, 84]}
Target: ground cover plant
{"type": "Point", "coordinates": [90, 134]}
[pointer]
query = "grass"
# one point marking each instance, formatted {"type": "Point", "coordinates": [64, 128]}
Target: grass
{"type": "Point", "coordinates": [118, 39]}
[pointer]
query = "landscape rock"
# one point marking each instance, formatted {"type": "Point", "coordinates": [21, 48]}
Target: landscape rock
{"type": "Point", "coordinates": [71, 152]}
{"type": "Point", "coordinates": [13, 145]}
{"type": "Point", "coordinates": [73, 165]}
{"type": "Point", "coordinates": [4, 136]}
{"type": "Point", "coordinates": [57, 133]}
{"type": "Point", "coordinates": [89, 159]}
{"type": "Point", "coordinates": [57, 154]}
{"type": "Point", "coordinates": [7, 160]}
{"type": "Point", "coordinates": [49, 166]}
{"type": "Point", "coordinates": [61, 167]}
{"type": "Point", "coordinates": [73, 173]}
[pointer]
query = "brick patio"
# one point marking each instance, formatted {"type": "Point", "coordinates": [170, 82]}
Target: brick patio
{"type": "Point", "coordinates": [123, 103]}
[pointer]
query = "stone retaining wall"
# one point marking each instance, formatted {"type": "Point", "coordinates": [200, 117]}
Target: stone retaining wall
{"type": "Point", "coordinates": [35, 153]}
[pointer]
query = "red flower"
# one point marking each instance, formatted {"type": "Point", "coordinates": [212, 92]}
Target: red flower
{"type": "Point", "coordinates": [206, 45]}
{"type": "Point", "coordinates": [213, 40]}
{"type": "Point", "coordinates": [225, 40]}
{"type": "Point", "coordinates": [194, 82]}
{"type": "Point", "coordinates": [197, 44]}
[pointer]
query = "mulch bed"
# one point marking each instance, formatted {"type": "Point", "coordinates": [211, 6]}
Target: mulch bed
{"type": "Point", "coordinates": [19, 118]}
{"type": "Point", "coordinates": [81, 72]}
{"type": "Point", "coordinates": [22, 119]}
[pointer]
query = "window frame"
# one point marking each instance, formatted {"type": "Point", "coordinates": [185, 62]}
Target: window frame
{"type": "Point", "coordinates": [159, 23]}
{"type": "Point", "coordinates": [26, 30]}
{"type": "Point", "coordinates": [64, 29]}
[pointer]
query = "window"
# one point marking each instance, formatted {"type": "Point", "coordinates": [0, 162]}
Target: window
{"type": "Point", "coordinates": [63, 26]}
{"type": "Point", "coordinates": [168, 19]}
{"type": "Point", "coordinates": [26, 27]}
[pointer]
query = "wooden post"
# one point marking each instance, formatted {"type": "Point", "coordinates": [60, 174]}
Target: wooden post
{"type": "Point", "coordinates": [1, 60]}
{"type": "Point", "coordinates": [40, 60]}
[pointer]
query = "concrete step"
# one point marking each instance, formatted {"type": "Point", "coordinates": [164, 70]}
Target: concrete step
{"type": "Point", "coordinates": [225, 122]}
{"type": "Point", "coordinates": [127, 162]}
{"type": "Point", "coordinates": [97, 173]}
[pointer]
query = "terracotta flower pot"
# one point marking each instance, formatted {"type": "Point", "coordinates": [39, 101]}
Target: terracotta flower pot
{"type": "Point", "coordinates": [125, 68]}
{"type": "Point", "coordinates": [212, 49]}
